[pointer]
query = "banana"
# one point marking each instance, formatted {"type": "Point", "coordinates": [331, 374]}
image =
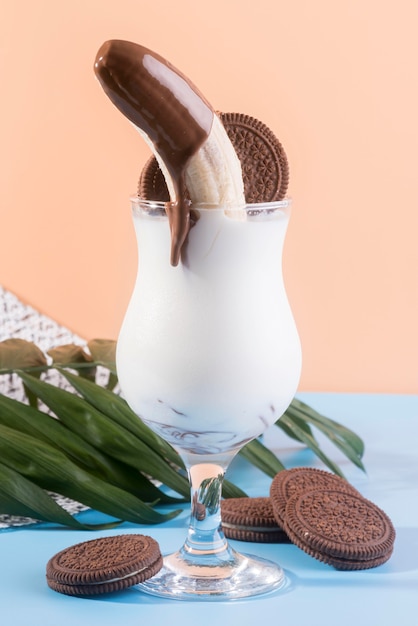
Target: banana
{"type": "Point", "coordinates": [214, 175]}
{"type": "Point", "coordinates": [180, 126]}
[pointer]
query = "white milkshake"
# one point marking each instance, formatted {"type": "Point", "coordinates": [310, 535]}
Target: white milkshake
{"type": "Point", "coordinates": [208, 354]}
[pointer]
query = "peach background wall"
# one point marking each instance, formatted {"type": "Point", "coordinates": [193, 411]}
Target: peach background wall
{"type": "Point", "coordinates": [336, 80]}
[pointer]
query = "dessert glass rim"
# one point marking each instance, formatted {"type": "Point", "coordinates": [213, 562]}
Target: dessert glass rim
{"type": "Point", "coordinates": [159, 207]}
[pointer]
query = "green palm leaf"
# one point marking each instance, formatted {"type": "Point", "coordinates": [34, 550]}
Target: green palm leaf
{"type": "Point", "coordinates": [102, 433]}
{"type": "Point", "coordinates": [310, 441]}
{"type": "Point", "coordinates": [260, 456]}
{"type": "Point", "coordinates": [117, 410]}
{"type": "Point", "coordinates": [95, 450]}
{"type": "Point", "coordinates": [343, 438]}
{"type": "Point", "coordinates": [52, 470]}
{"type": "Point", "coordinates": [19, 496]}
{"type": "Point", "coordinates": [33, 422]}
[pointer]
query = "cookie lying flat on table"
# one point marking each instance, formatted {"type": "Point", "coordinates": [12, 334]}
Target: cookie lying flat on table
{"type": "Point", "coordinates": [104, 565]}
{"type": "Point", "coordinates": [251, 519]}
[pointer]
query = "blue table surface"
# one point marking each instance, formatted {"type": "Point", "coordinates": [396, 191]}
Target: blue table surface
{"type": "Point", "coordinates": [316, 595]}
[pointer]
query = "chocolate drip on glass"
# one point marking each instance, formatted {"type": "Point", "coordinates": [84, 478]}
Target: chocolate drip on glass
{"type": "Point", "coordinates": [167, 107]}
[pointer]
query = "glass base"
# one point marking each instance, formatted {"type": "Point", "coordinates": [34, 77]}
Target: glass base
{"type": "Point", "coordinates": [235, 575]}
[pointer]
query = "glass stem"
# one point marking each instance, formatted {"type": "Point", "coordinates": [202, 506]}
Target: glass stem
{"type": "Point", "coordinates": [205, 537]}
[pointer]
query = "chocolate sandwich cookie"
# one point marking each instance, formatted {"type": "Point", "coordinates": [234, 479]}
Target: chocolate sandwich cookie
{"type": "Point", "coordinates": [265, 169]}
{"type": "Point", "coordinates": [339, 528]}
{"type": "Point", "coordinates": [264, 164]}
{"type": "Point", "coordinates": [300, 480]}
{"type": "Point", "coordinates": [251, 519]}
{"type": "Point", "coordinates": [104, 565]}
{"type": "Point", "coordinates": [152, 185]}
{"type": "Point", "coordinates": [347, 565]}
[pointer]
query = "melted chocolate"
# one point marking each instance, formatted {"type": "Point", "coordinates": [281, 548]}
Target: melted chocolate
{"type": "Point", "coordinates": [164, 104]}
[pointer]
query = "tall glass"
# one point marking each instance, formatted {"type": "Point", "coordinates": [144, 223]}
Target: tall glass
{"type": "Point", "coordinates": [209, 357]}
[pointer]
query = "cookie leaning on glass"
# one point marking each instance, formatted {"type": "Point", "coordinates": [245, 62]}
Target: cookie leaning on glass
{"type": "Point", "coordinates": [330, 520]}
